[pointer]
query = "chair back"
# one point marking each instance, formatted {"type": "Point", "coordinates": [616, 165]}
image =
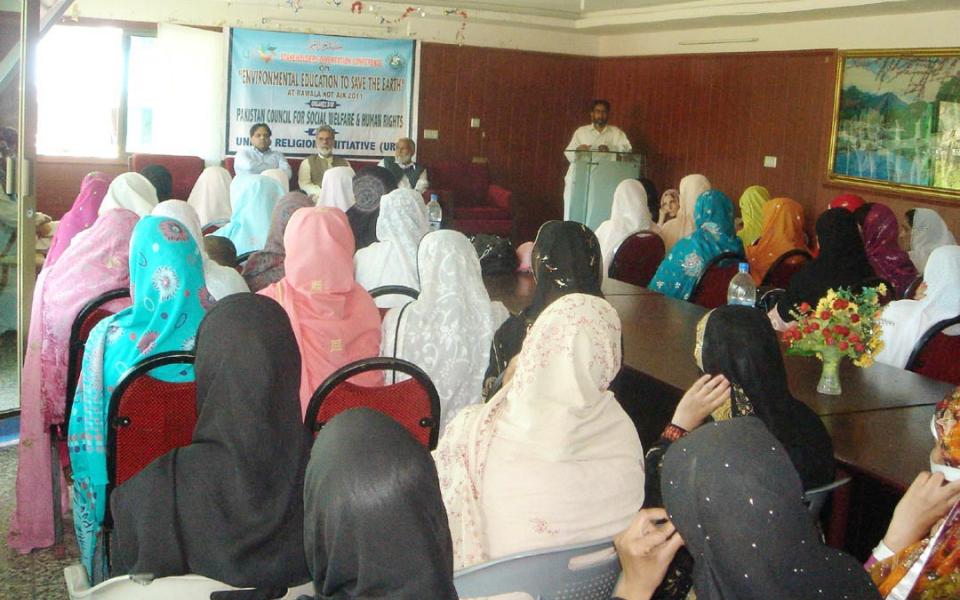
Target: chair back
{"type": "Point", "coordinates": [785, 267]}
{"type": "Point", "coordinates": [184, 170]}
{"type": "Point", "coordinates": [935, 355]}
{"type": "Point", "coordinates": [711, 289]}
{"type": "Point", "coordinates": [578, 572]}
{"type": "Point", "coordinates": [911, 289]}
{"type": "Point", "coordinates": [817, 497]}
{"type": "Point", "coordinates": [402, 290]}
{"type": "Point", "coordinates": [413, 402]}
{"type": "Point", "coordinates": [83, 323]}
{"type": "Point", "coordinates": [636, 258]}
{"type": "Point", "coordinates": [769, 298]}
{"type": "Point", "coordinates": [242, 258]}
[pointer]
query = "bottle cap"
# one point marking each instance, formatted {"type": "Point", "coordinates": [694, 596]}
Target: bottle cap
{"type": "Point", "coordinates": [744, 267]}
{"type": "Point", "coordinates": [433, 197]}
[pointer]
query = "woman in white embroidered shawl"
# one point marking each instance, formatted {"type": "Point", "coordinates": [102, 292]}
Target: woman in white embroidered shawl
{"type": "Point", "coordinates": [221, 281]}
{"type": "Point", "coordinates": [210, 196]}
{"type": "Point", "coordinates": [393, 259]}
{"type": "Point", "coordinates": [629, 214]}
{"type": "Point", "coordinates": [551, 459]}
{"type": "Point", "coordinates": [131, 191]}
{"type": "Point", "coordinates": [938, 298]}
{"type": "Point", "coordinates": [336, 188]}
{"type": "Point", "coordinates": [928, 232]}
{"type": "Point", "coordinates": [683, 225]}
{"type": "Point", "coordinates": [448, 329]}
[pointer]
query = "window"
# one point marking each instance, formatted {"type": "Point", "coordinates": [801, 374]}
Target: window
{"type": "Point", "coordinates": [142, 89]}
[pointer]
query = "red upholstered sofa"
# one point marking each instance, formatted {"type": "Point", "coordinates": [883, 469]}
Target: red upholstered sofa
{"type": "Point", "coordinates": [184, 169]}
{"type": "Point", "coordinates": [478, 206]}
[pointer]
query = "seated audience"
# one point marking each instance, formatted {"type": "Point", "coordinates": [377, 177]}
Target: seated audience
{"type": "Point", "coordinates": [849, 202]}
{"type": "Point", "coordinates": [210, 196]}
{"type": "Point", "coordinates": [161, 179]}
{"type": "Point", "coordinates": [447, 331]}
{"type": "Point", "coordinates": [566, 260]}
{"type": "Point", "coordinates": [927, 233]}
{"type": "Point", "coordinates": [315, 166]}
{"type": "Point", "coordinates": [552, 459]}
{"type": "Point", "coordinates": [781, 232]}
{"type": "Point", "coordinates": [938, 298]}
{"type": "Point", "coordinates": [737, 504]}
{"type": "Point", "coordinates": [393, 259]}
{"type": "Point", "coordinates": [81, 215]}
{"type": "Point", "coordinates": [406, 173]}
{"type": "Point", "coordinates": [95, 262]}
{"type": "Point", "coordinates": [628, 215]}
{"type": "Point", "coordinates": [888, 259]}
{"type": "Point", "coordinates": [396, 545]}
{"type": "Point", "coordinates": [918, 517]}
{"type": "Point", "coordinates": [229, 506]}
{"type": "Point", "coordinates": [691, 187]}
{"type": "Point", "coordinates": [280, 177]}
{"type": "Point", "coordinates": [131, 191]}
{"type": "Point", "coordinates": [266, 266]}
{"type": "Point", "coordinates": [669, 206]}
{"type": "Point", "coordinates": [369, 186]}
{"type": "Point", "coordinates": [258, 157]}
{"type": "Point", "coordinates": [337, 189]}
{"type": "Point", "coordinates": [221, 281]}
{"type": "Point", "coordinates": [166, 280]}
{"type": "Point", "coordinates": [685, 263]}
{"type": "Point", "coordinates": [253, 198]}
{"type": "Point", "coordinates": [221, 251]}
{"type": "Point", "coordinates": [841, 263]}
{"type": "Point", "coordinates": [334, 319]}
{"type": "Point", "coordinates": [751, 211]}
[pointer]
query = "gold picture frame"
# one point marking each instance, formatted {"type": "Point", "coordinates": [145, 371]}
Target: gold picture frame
{"type": "Point", "coordinates": [896, 121]}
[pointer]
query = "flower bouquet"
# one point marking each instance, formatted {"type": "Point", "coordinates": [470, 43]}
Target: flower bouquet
{"type": "Point", "coordinates": [842, 324]}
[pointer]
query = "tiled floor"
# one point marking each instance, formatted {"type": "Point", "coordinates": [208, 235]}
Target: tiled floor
{"type": "Point", "coordinates": [38, 575]}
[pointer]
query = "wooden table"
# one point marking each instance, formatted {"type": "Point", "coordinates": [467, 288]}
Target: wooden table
{"type": "Point", "coordinates": [515, 290]}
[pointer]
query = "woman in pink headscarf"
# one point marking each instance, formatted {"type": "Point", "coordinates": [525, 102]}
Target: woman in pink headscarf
{"type": "Point", "coordinates": [334, 319]}
{"type": "Point", "coordinates": [888, 259]}
{"type": "Point", "coordinates": [80, 216]}
{"type": "Point", "coordinates": [95, 262]}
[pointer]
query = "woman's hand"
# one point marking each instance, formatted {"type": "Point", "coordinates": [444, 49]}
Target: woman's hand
{"type": "Point", "coordinates": [928, 499]}
{"type": "Point", "coordinates": [704, 396]}
{"type": "Point", "coordinates": [645, 550]}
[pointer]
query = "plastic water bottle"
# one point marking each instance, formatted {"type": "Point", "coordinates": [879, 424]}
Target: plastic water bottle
{"type": "Point", "coordinates": [434, 213]}
{"type": "Point", "coordinates": [742, 291]}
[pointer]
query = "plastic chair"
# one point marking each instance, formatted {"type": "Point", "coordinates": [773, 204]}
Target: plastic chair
{"type": "Point", "coordinates": [243, 258]}
{"type": "Point", "coordinates": [785, 267]}
{"type": "Point", "coordinates": [911, 291]}
{"type": "Point", "coordinates": [636, 258]}
{"type": "Point", "coordinates": [385, 290]}
{"type": "Point", "coordinates": [711, 289]}
{"type": "Point", "coordinates": [144, 587]}
{"type": "Point", "coordinates": [578, 572]}
{"type": "Point", "coordinates": [817, 497]}
{"type": "Point", "coordinates": [769, 298]}
{"type": "Point", "coordinates": [414, 402]}
{"type": "Point", "coordinates": [935, 354]}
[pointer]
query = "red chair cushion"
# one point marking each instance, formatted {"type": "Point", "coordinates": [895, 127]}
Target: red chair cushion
{"type": "Point", "coordinates": [184, 169]}
{"type": "Point", "coordinates": [712, 289]}
{"type": "Point", "coordinates": [468, 182]}
{"type": "Point", "coordinates": [162, 416]}
{"type": "Point", "coordinates": [637, 258]}
{"type": "Point", "coordinates": [499, 197]}
{"type": "Point", "coordinates": [938, 359]}
{"type": "Point", "coordinates": [406, 402]}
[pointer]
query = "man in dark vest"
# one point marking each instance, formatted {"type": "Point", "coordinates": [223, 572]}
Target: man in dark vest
{"type": "Point", "coordinates": [314, 166]}
{"type": "Point", "coordinates": [408, 174]}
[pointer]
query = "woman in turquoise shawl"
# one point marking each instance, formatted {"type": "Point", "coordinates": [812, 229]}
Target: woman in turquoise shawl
{"type": "Point", "coordinates": [169, 300]}
{"type": "Point", "coordinates": [714, 234]}
{"type": "Point", "coordinates": [252, 198]}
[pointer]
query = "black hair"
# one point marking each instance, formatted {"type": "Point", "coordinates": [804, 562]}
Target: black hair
{"type": "Point", "coordinates": [861, 213]}
{"type": "Point", "coordinates": [221, 250]}
{"type": "Point", "coordinates": [160, 178]}
{"type": "Point", "coordinates": [605, 103]}
{"type": "Point", "coordinates": [257, 126]}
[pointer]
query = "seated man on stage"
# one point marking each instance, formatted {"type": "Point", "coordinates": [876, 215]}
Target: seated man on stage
{"type": "Point", "coordinates": [408, 174]}
{"type": "Point", "coordinates": [255, 159]}
{"type": "Point", "coordinates": [596, 137]}
{"type": "Point", "coordinates": [314, 166]}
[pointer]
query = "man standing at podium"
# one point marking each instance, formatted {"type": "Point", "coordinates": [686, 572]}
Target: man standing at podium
{"type": "Point", "coordinates": [596, 137]}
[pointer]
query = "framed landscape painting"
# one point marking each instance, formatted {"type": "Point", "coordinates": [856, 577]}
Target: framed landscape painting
{"type": "Point", "coordinates": [896, 120]}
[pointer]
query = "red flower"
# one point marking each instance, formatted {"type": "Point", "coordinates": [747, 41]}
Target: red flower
{"type": "Point", "coordinates": [854, 338]}
{"type": "Point", "coordinates": [840, 303]}
{"type": "Point", "coordinates": [828, 340]}
{"type": "Point", "coordinates": [858, 347]}
{"type": "Point", "coordinates": [854, 318]}
{"type": "Point", "coordinates": [825, 315]}
{"type": "Point", "coordinates": [843, 346]}
{"type": "Point", "coordinates": [815, 326]}
{"type": "Point", "coordinates": [804, 308]}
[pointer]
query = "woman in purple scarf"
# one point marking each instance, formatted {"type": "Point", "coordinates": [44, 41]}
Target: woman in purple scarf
{"type": "Point", "coordinates": [884, 253]}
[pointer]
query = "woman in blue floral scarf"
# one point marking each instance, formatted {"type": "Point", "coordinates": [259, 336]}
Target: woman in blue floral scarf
{"type": "Point", "coordinates": [169, 300]}
{"type": "Point", "coordinates": [714, 234]}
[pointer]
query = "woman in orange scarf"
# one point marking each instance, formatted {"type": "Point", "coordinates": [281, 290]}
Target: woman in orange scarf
{"type": "Point", "coordinates": [782, 231]}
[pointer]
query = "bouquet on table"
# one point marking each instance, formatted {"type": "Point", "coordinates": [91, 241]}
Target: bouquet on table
{"type": "Point", "coordinates": [843, 324]}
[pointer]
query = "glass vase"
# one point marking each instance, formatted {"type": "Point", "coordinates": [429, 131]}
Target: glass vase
{"type": "Point", "coordinates": [830, 373]}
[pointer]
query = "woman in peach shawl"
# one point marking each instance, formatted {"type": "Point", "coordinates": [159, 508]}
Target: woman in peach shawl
{"type": "Point", "coordinates": [334, 319]}
{"type": "Point", "coordinates": [683, 225]}
{"type": "Point", "coordinates": [95, 262]}
{"type": "Point", "coordinates": [781, 232]}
